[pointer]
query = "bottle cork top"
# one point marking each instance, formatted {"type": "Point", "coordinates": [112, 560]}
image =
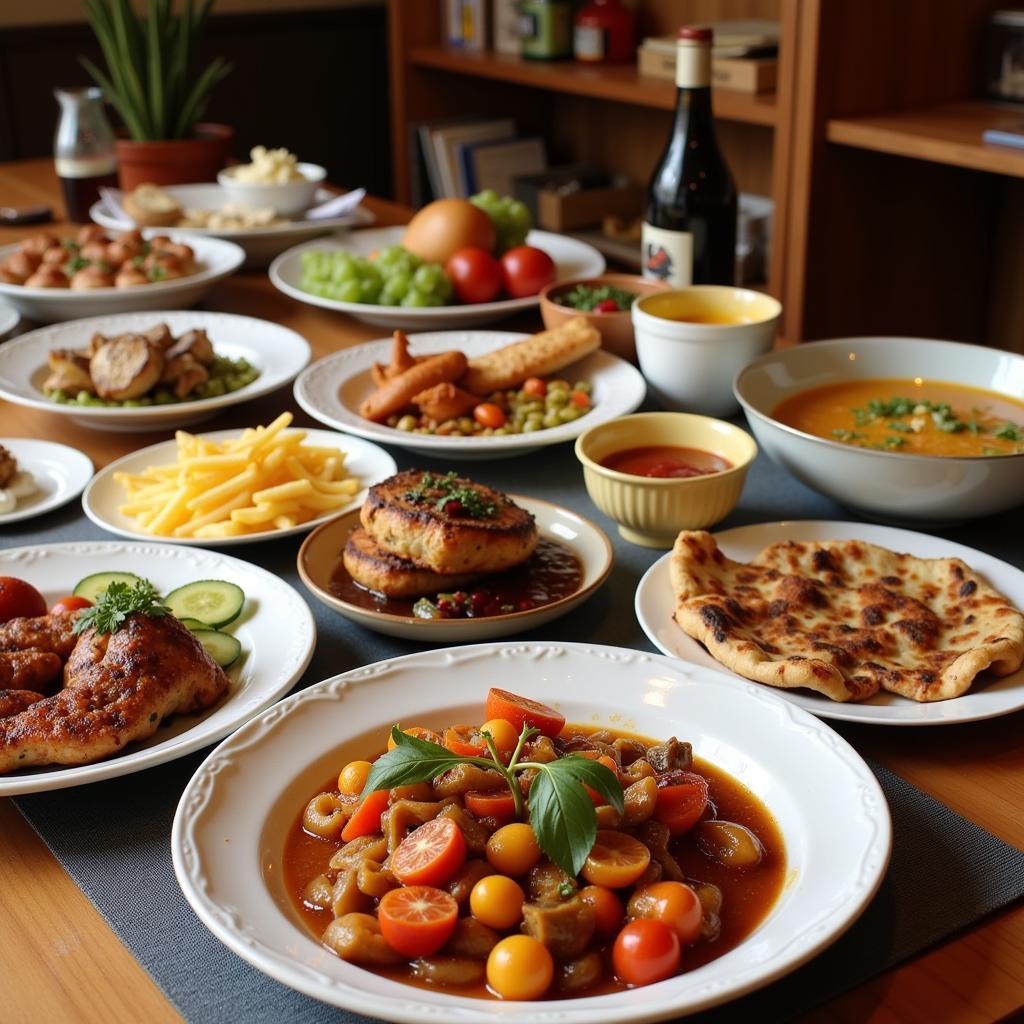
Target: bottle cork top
{"type": "Point", "coordinates": [696, 33]}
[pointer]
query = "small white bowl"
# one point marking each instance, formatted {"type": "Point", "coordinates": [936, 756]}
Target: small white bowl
{"type": "Point", "coordinates": [288, 198]}
{"type": "Point", "coordinates": [690, 366]}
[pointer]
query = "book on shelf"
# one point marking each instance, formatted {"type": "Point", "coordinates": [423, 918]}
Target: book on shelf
{"type": "Point", "coordinates": [438, 152]}
{"type": "Point", "coordinates": [496, 164]}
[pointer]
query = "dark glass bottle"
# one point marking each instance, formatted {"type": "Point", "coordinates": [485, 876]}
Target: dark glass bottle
{"type": "Point", "coordinates": [689, 232]}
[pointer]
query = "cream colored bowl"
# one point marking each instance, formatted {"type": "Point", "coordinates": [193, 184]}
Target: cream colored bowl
{"type": "Point", "coordinates": [649, 510]}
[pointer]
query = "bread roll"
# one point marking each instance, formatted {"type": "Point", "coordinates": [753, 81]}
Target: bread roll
{"type": "Point", "coordinates": [150, 206]}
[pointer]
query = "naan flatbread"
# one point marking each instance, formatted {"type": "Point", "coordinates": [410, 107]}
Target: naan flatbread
{"type": "Point", "coordinates": [845, 618]}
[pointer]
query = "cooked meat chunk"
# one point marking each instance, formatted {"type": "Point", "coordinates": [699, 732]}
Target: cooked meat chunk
{"type": "Point", "coordinates": [400, 817]}
{"type": "Point", "coordinates": [670, 756]}
{"type": "Point", "coordinates": [448, 970]}
{"type": "Point", "coordinates": [8, 466]}
{"type": "Point", "coordinates": [160, 335]}
{"type": "Point", "coordinates": [357, 938]}
{"type": "Point", "coordinates": [474, 832]}
{"type": "Point", "coordinates": [546, 883]}
{"type": "Point", "coordinates": [346, 897]}
{"type": "Point", "coordinates": [184, 373]}
{"type": "Point", "coordinates": [579, 974]}
{"type": "Point", "coordinates": [69, 371]}
{"type": "Point", "coordinates": [472, 871]}
{"type": "Point", "coordinates": [52, 633]}
{"type": "Point", "coordinates": [319, 892]}
{"type": "Point", "coordinates": [445, 402]}
{"type": "Point", "coordinates": [364, 848]}
{"type": "Point", "coordinates": [126, 367]}
{"type": "Point", "coordinates": [374, 879]}
{"type": "Point", "coordinates": [655, 836]}
{"type": "Point", "coordinates": [628, 750]}
{"type": "Point", "coordinates": [465, 777]}
{"type": "Point", "coordinates": [566, 928]}
{"type": "Point", "coordinates": [195, 343]}
{"type": "Point", "coordinates": [472, 939]}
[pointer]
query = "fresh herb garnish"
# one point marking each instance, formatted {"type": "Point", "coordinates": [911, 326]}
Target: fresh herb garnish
{"type": "Point", "coordinates": [588, 297]}
{"type": "Point", "coordinates": [78, 263]}
{"type": "Point", "coordinates": [448, 495]}
{"type": "Point", "coordinates": [895, 442]}
{"type": "Point", "coordinates": [119, 601]}
{"type": "Point", "coordinates": [1010, 432]}
{"type": "Point", "coordinates": [561, 812]}
{"type": "Point", "coordinates": [847, 435]}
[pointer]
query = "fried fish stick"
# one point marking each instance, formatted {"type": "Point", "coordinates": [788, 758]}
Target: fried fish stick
{"type": "Point", "coordinates": [401, 360]}
{"type": "Point", "coordinates": [542, 354]}
{"type": "Point", "coordinates": [398, 392]}
{"type": "Point", "coordinates": [445, 402]}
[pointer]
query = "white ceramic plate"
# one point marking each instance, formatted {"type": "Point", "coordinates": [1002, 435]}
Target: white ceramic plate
{"type": "Point", "coordinates": [9, 319]}
{"type": "Point", "coordinates": [365, 461]}
{"type": "Point", "coordinates": [572, 259]}
{"type": "Point", "coordinates": [276, 631]}
{"type": "Point", "coordinates": [215, 259]}
{"type": "Point", "coordinates": [60, 473]}
{"type": "Point", "coordinates": [332, 389]}
{"type": "Point", "coordinates": [278, 352]}
{"type": "Point", "coordinates": [320, 554]}
{"type": "Point", "coordinates": [261, 245]}
{"type": "Point", "coordinates": [655, 606]}
{"type": "Point", "coordinates": [229, 830]}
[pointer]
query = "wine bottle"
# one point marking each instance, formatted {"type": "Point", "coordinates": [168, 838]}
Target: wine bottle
{"type": "Point", "coordinates": [689, 232]}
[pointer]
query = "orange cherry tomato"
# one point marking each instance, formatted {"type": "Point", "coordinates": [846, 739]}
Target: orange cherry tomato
{"type": "Point", "coordinates": [645, 951]}
{"type": "Point", "coordinates": [432, 854]}
{"type": "Point", "coordinates": [465, 740]}
{"type": "Point", "coordinates": [580, 399]}
{"type": "Point", "coordinates": [420, 733]}
{"type": "Point", "coordinates": [19, 599]}
{"type": "Point", "coordinates": [520, 967]}
{"type": "Point", "coordinates": [495, 804]}
{"type": "Point", "coordinates": [534, 387]}
{"type": "Point", "coordinates": [487, 414]}
{"type": "Point", "coordinates": [366, 820]}
{"type": "Point", "coordinates": [682, 798]}
{"type": "Point", "coordinates": [70, 604]}
{"type": "Point", "coordinates": [615, 860]}
{"type": "Point", "coordinates": [607, 908]}
{"type": "Point", "coordinates": [677, 905]}
{"type": "Point", "coordinates": [519, 710]}
{"type": "Point", "coordinates": [417, 920]}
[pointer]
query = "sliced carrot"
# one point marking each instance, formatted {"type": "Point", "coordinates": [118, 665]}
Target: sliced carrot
{"type": "Point", "coordinates": [366, 820]}
{"type": "Point", "coordinates": [517, 710]}
{"type": "Point", "coordinates": [465, 740]}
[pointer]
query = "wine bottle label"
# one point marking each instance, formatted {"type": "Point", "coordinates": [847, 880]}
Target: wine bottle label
{"type": "Point", "coordinates": [85, 167]}
{"type": "Point", "coordinates": [667, 255]}
{"type": "Point", "coordinates": [693, 64]}
{"type": "Point", "coordinates": [590, 42]}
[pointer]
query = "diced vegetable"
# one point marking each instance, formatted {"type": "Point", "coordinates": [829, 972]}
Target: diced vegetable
{"type": "Point", "coordinates": [215, 602]}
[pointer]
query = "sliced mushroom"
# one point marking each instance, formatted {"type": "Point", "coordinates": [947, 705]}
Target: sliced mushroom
{"type": "Point", "coordinates": [318, 892]}
{"type": "Point", "coordinates": [364, 848]}
{"type": "Point", "coordinates": [184, 374]}
{"type": "Point", "coordinates": [357, 938]}
{"type": "Point", "coordinates": [126, 367]}
{"type": "Point", "coordinates": [196, 343]}
{"type": "Point", "coordinates": [375, 880]}
{"type": "Point", "coordinates": [69, 371]}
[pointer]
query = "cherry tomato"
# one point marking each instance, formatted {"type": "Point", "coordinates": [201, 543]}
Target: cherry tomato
{"type": "Point", "coordinates": [487, 414]}
{"type": "Point", "coordinates": [674, 904]}
{"type": "Point", "coordinates": [615, 860]}
{"type": "Point", "coordinates": [646, 951]}
{"type": "Point", "coordinates": [497, 902]}
{"type": "Point", "coordinates": [417, 920]}
{"type": "Point", "coordinates": [520, 967]}
{"type": "Point", "coordinates": [19, 599]}
{"type": "Point", "coordinates": [352, 778]}
{"type": "Point", "coordinates": [609, 763]}
{"type": "Point", "coordinates": [580, 399]}
{"type": "Point", "coordinates": [494, 804]}
{"type": "Point", "coordinates": [534, 387]}
{"type": "Point", "coordinates": [513, 849]}
{"type": "Point", "coordinates": [70, 604]}
{"type": "Point", "coordinates": [607, 908]}
{"type": "Point", "coordinates": [420, 733]}
{"type": "Point", "coordinates": [465, 740]}
{"type": "Point", "coordinates": [519, 710]}
{"type": "Point", "coordinates": [475, 274]}
{"type": "Point", "coordinates": [682, 797]}
{"type": "Point", "coordinates": [432, 854]}
{"type": "Point", "coordinates": [525, 270]}
{"type": "Point", "coordinates": [366, 820]}
{"type": "Point", "coordinates": [607, 306]}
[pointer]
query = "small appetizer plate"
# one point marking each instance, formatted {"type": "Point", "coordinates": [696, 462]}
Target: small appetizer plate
{"type": "Point", "coordinates": [215, 259]}
{"type": "Point", "coordinates": [276, 631]}
{"type": "Point", "coordinates": [572, 259]}
{"type": "Point", "coordinates": [333, 388]}
{"type": "Point", "coordinates": [320, 563]}
{"type": "Point", "coordinates": [229, 832]}
{"type": "Point", "coordinates": [367, 462]}
{"type": "Point", "coordinates": [9, 319]}
{"type": "Point", "coordinates": [277, 352]}
{"type": "Point", "coordinates": [60, 474]}
{"type": "Point", "coordinates": [988, 698]}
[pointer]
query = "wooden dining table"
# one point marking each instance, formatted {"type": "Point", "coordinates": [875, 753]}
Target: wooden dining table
{"type": "Point", "coordinates": [60, 961]}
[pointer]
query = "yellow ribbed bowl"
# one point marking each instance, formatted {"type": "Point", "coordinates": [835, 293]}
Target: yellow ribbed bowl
{"type": "Point", "coordinates": [651, 511]}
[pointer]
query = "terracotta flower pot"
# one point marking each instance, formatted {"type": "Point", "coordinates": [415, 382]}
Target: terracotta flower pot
{"type": "Point", "coordinates": [175, 161]}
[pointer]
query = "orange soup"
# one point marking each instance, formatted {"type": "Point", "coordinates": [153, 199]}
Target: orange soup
{"type": "Point", "coordinates": [911, 415]}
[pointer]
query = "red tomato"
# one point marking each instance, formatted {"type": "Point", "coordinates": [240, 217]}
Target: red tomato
{"type": "Point", "coordinates": [366, 820]}
{"type": "Point", "coordinates": [645, 951]}
{"type": "Point", "coordinates": [682, 797]}
{"type": "Point", "coordinates": [475, 274]}
{"type": "Point", "coordinates": [607, 306]}
{"type": "Point", "coordinates": [525, 270]}
{"type": "Point", "coordinates": [487, 414]}
{"type": "Point", "coordinates": [417, 920]}
{"type": "Point", "coordinates": [519, 710]}
{"type": "Point", "coordinates": [70, 604]}
{"type": "Point", "coordinates": [609, 763]}
{"type": "Point", "coordinates": [432, 854]}
{"type": "Point", "coordinates": [580, 399]}
{"type": "Point", "coordinates": [535, 387]}
{"type": "Point", "coordinates": [19, 599]}
{"type": "Point", "coordinates": [494, 804]}
{"type": "Point", "coordinates": [465, 740]}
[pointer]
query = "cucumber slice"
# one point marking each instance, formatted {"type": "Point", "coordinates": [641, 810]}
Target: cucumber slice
{"type": "Point", "coordinates": [193, 624]}
{"type": "Point", "coordinates": [222, 647]}
{"type": "Point", "coordinates": [214, 602]}
{"type": "Point", "coordinates": [92, 586]}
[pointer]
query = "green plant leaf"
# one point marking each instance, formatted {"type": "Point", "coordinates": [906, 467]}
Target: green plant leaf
{"type": "Point", "coordinates": [114, 97]}
{"type": "Point", "coordinates": [193, 107]}
{"type": "Point", "coordinates": [411, 760]}
{"type": "Point", "coordinates": [127, 35]}
{"type": "Point", "coordinates": [562, 816]}
{"type": "Point", "coordinates": [155, 67]}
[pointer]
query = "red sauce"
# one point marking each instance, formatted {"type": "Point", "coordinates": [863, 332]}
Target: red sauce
{"type": "Point", "coordinates": [665, 460]}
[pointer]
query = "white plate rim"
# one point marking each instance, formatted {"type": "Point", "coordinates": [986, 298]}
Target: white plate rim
{"type": "Point", "coordinates": [230, 924]}
{"type": "Point", "coordinates": [654, 592]}
{"type": "Point", "coordinates": [76, 471]}
{"type": "Point", "coordinates": [355, 448]}
{"type": "Point", "coordinates": [9, 319]}
{"type": "Point", "coordinates": [291, 664]}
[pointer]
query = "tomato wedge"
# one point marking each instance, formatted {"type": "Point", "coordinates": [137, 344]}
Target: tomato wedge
{"type": "Point", "coordinates": [69, 604]}
{"type": "Point", "coordinates": [517, 710]}
{"type": "Point", "coordinates": [366, 820]}
{"type": "Point", "coordinates": [682, 798]}
{"type": "Point", "coordinates": [465, 740]}
{"type": "Point", "coordinates": [491, 804]}
{"type": "Point", "coordinates": [432, 854]}
{"type": "Point", "coordinates": [417, 920]}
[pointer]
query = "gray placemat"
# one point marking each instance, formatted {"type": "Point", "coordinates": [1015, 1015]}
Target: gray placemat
{"type": "Point", "coordinates": [112, 837]}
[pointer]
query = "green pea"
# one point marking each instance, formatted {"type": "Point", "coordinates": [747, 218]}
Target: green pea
{"type": "Point", "coordinates": [569, 413]}
{"type": "Point", "coordinates": [532, 427]}
{"type": "Point", "coordinates": [407, 423]}
{"type": "Point", "coordinates": [552, 419]}
{"type": "Point", "coordinates": [556, 399]}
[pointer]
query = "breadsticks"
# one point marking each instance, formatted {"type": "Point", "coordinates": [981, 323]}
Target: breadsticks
{"type": "Point", "coordinates": [537, 356]}
{"type": "Point", "coordinates": [398, 392]}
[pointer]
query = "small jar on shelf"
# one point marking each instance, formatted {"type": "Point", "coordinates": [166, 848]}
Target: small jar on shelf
{"type": "Point", "coordinates": [604, 33]}
{"type": "Point", "coordinates": [546, 29]}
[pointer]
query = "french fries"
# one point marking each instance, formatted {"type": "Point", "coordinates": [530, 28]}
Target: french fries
{"type": "Point", "coordinates": [265, 479]}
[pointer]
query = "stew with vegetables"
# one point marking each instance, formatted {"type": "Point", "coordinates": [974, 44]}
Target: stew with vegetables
{"type": "Point", "coordinates": [524, 858]}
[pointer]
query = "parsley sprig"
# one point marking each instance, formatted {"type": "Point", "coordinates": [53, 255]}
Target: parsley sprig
{"type": "Point", "coordinates": [119, 601]}
{"type": "Point", "coordinates": [561, 812]}
{"type": "Point", "coordinates": [442, 491]}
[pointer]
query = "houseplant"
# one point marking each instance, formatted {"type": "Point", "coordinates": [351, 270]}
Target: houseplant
{"type": "Point", "coordinates": [150, 82]}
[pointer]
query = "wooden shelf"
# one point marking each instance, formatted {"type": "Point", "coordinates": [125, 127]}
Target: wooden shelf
{"type": "Point", "coordinates": [948, 134]}
{"type": "Point", "coordinates": [619, 83]}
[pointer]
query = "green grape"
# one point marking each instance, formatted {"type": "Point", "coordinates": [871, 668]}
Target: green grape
{"type": "Point", "coordinates": [369, 290]}
{"type": "Point", "coordinates": [510, 217]}
{"type": "Point", "coordinates": [350, 291]}
{"type": "Point", "coordinates": [389, 280]}
{"type": "Point", "coordinates": [416, 299]}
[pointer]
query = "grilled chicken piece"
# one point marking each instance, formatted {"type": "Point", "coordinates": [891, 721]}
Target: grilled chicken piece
{"type": "Point", "coordinates": [184, 372]}
{"type": "Point", "coordinates": [8, 466]}
{"type": "Point", "coordinates": [69, 371]}
{"type": "Point", "coordinates": [13, 702]}
{"type": "Point", "coordinates": [159, 335]}
{"type": "Point", "coordinates": [126, 367]}
{"type": "Point", "coordinates": [51, 633]}
{"type": "Point", "coordinates": [196, 343]}
{"type": "Point", "coordinates": [445, 402]}
{"type": "Point", "coordinates": [118, 688]}
{"type": "Point", "coordinates": [28, 670]}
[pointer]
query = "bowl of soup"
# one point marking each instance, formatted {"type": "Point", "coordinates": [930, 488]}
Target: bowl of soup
{"type": "Point", "coordinates": [901, 429]}
{"type": "Point", "coordinates": [690, 343]}
{"type": "Point", "coordinates": [656, 473]}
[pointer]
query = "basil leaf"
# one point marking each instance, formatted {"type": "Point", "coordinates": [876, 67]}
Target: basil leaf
{"type": "Point", "coordinates": [595, 775]}
{"type": "Point", "coordinates": [412, 760]}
